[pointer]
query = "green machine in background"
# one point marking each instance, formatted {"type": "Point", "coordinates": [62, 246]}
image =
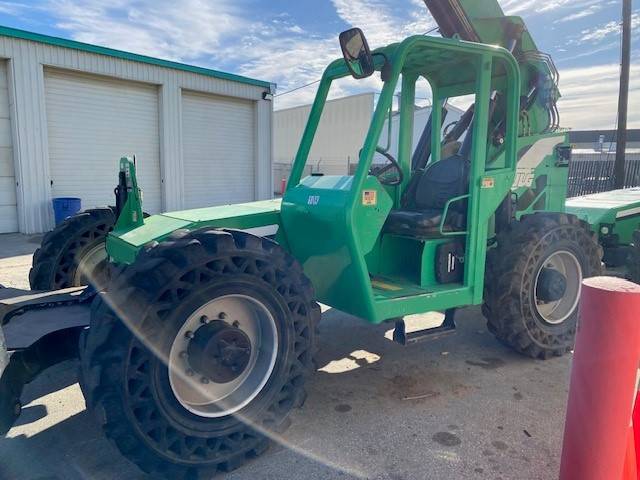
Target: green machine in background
{"type": "Point", "coordinates": [615, 217]}
{"type": "Point", "coordinates": [204, 330]}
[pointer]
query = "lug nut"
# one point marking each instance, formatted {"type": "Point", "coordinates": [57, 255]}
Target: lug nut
{"type": "Point", "coordinates": [222, 315]}
{"type": "Point", "coordinates": [204, 319]}
{"type": "Point", "coordinates": [236, 323]}
{"type": "Point", "coordinates": [189, 372]}
{"type": "Point", "coordinates": [204, 380]}
{"type": "Point", "coordinates": [189, 334]}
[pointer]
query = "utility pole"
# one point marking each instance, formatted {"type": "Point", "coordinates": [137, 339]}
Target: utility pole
{"type": "Point", "coordinates": [623, 99]}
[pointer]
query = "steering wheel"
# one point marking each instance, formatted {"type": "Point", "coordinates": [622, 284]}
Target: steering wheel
{"type": "Point", "coordinates": [393, 164]}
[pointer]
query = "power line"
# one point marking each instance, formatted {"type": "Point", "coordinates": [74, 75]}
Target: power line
{"type": "Point", "coordinates": [318, 80]}
{"type": "Point", "coordinates": [298, 88]}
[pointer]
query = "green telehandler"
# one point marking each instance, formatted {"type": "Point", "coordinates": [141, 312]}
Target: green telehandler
{"type": "Point", "coordinates": [202, 332]}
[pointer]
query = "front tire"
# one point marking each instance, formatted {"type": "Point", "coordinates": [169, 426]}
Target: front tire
{"type": "Point", "coordinates": [533, 282]}
{"type": "Point", "coordinates": [144, 406]}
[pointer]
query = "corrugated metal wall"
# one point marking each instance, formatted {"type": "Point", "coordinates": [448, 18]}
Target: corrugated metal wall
{"type": "Point", "coordinates": [91, 121]}
{"type": "Point", "coordinates": [8, 207]}
{"type": "Point", "coordinates": [219, 148]}
{"type": "Point", "coordinates": [26, 65]}
{"type": "Point", "coordinates": [420, 120]}
{"type": "Point", "coordinates": [339, 138]}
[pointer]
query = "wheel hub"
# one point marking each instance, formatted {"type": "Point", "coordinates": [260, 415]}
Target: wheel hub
{"type": "Point", "coordinates": [222, 355]}
{"type": "Point", "coordinates": [90, 265]}
{"type": "Point", "coordinates": [552, 285]}
{"type": "Point", "coordinates": [219, 351]}
{"type": "Point", "coordinates": [557, 288]}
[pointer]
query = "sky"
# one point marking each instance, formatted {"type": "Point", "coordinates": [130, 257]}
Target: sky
{"type": "Point", "coordinates": [290, 42]}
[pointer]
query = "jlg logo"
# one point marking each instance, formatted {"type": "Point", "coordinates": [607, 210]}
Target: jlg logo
{"type": "Point", "coordinates": [313, 199]}
{"type": "Point", "coordinates": [524, 177]}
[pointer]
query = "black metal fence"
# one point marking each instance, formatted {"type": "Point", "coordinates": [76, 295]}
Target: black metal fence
{"type": "Point", "coordinates": [591, 173]}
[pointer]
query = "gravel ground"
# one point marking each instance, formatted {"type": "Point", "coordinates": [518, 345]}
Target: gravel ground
{"type": "Point", "coordinates": [460, 407]}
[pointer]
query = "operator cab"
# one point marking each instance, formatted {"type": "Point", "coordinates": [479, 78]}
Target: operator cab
{"type": "Point", "coordinates": [434, 199]}
{"type": "Point", "coordinates": [410, 222]}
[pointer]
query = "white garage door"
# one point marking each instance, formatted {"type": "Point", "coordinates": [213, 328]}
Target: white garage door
{"type": "Point", "coordinates": [8, 210]}
{"type": "Point", "coordinates": [94, 121]}
{"type": "Point", "coordinates": [218, 149]}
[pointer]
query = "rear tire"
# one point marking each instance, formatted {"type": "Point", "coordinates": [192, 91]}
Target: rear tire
{"type": "Point", "coordinates": [534, 317]}
{"type": "Point", "coordinates": [124, 357]}
{"type": "Point", "coordinates": [73, 253]}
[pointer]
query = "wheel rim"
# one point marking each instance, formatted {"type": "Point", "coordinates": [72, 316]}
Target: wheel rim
{"type": "Point", "coordinates": [89, 264]}
{"type": "Point", "coordinates": [566, 263]}
{"type": "Point", "coordinates": [209, 395]}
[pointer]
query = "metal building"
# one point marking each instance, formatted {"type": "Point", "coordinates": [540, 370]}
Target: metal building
{"type": "Point", "coordinates": [602, 140]}
{"type": "Point", "coordinates": [69, 111]}
{"type": "Point", "coordinates": [343, 127]}
{"type": "Point", "coordinates": [421, 116]}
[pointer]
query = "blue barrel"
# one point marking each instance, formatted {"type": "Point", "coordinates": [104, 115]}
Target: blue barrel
{"type": "Point", "coordinates": [64, 207]}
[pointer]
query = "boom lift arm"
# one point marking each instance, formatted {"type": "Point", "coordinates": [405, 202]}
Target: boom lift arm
{"type": "Point", "coordinates": [483, 21]}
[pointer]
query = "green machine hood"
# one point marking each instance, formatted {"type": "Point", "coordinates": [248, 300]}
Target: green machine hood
{"type": "Point", "coordinates": [615, 212]}
{"type": "Point", "coordinates": [123, 244]}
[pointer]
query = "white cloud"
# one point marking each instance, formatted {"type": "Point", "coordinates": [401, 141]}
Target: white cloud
{"type": "Point", "coordinates": [590, 97]}
{"type": "Point", "coordinates": [588, 53]}
{"type": "Point", "coordinates": [518, 7]}
{"type": "Point", "coordinates": [610, 28]}
{"type": "Point", "coordinates": [380, 24]}
{"type": "Point", "coordinates": [515, 7]}
{"type": "Point", "coordinates": [162, 28]}
{"type": "Point", "coordinates": [581, 14]}
{"type": "Point", "coordinates": [222, 35]}
{"type": "Point", "coordinates": [15, 8]}
{"type": "Point", "coordinates": [277, 49]}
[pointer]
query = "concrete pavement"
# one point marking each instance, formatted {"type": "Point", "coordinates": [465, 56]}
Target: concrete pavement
{"type": "Point", "coordinates": [461, 407]}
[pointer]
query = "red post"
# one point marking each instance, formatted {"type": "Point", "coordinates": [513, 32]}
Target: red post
{"type": "Point", "coordinates": [603, 382]}
{"type": "Point", "coordinates": [634, 456]}
{"type": "Point", "coordinates": [630, 467]}
{"type": "Point", "coordinates": [283, 185]}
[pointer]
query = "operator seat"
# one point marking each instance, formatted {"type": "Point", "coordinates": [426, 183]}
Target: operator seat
{"type": "Point", "coordinates": [422, 212]}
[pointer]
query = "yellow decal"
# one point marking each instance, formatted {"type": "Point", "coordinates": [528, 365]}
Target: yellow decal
{"type": "Point", "coordinates": [488, 182]}
{"type": "Point", "coordinates": [369, 197]}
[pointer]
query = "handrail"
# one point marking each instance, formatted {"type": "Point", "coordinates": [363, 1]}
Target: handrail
{"type": "Point", "coordinates": [445, 212]}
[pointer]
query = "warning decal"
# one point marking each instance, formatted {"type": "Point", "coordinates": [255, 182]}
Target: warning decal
{"type": "Point", "coordinates": [488, 182]}
{"type": "Point", "coordinates": [369, 197]}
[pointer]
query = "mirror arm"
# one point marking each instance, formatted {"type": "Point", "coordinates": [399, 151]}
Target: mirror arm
{"type": "Point", "coordinates": [385, 73]}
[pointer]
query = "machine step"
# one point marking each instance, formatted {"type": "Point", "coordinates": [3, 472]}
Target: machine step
{"type": "Point", "coordinates": [404, 337]}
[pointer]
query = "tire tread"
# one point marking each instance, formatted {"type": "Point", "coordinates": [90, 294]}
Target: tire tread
{"type": "Point", "coordinates": [179, 256]}
{"type": "Point", "coordinates": [507, 265]}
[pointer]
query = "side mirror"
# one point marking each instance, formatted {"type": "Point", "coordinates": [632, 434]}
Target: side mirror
{"type": "Point", "coordinates": [356, 53]}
